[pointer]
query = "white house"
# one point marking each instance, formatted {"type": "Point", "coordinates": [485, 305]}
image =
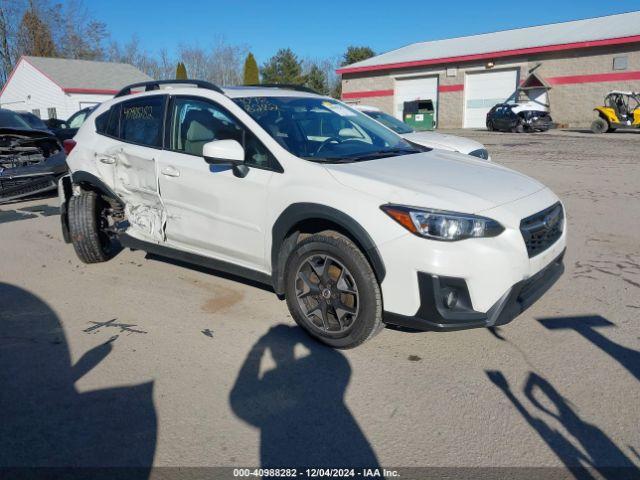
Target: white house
{"type": "Point", "coordinates": [59, 87]}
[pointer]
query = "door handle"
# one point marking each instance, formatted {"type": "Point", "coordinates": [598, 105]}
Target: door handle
{"type": "Point", "coordinates": [107, 159]}
{"type": "Point", "coordinates": [170, 172]}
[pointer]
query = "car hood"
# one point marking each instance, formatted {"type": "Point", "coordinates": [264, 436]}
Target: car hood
{"type": "Point", "coordinates": [436, 179]}
{"type": "Point", "coordinates": [25, 132]}
{"type": "Point", "coordinates": [443, 141]}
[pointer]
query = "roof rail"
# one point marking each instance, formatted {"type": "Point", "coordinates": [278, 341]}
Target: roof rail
{"type": "Point", "coordinates": [287, 86]}
{"type": "Point", "coordinates": [155, 85]}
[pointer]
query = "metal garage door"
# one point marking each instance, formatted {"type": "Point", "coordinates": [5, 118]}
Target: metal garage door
{"type": "Point", "coordinates": [483, 90]}
{"type": "Point", "coordinates": [424, 88]}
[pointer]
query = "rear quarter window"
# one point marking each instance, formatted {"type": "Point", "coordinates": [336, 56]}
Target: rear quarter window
{"type": "Point", "coordinates": [141, 121]}
{"type": "Point", "coordinates": [108, 123]}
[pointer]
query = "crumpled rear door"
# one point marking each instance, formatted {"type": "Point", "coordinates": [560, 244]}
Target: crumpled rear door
{"type": "Point", "coordinates": [136, 183]}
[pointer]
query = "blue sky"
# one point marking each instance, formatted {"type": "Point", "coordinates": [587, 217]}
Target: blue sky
{"type": "Point", "coordinates": [324, 28]}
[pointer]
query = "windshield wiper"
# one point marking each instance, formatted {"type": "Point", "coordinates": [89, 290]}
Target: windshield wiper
{"type": "Point", "coordinates": [384, 154]}
{"type": "Point", "coordinates": [365, 156]}
{"type": "Point", "coordinates": [329, 160]}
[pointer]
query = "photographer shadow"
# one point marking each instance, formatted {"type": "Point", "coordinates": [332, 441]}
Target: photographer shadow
{"type": "Point", "coordinates": [585, 448]}
{"type": "Point", "coordinates": [586, 326]}
{"type": "Point", "coordinates": [46, 421]}
{"type": "Point", "coordinates": [299, 405]}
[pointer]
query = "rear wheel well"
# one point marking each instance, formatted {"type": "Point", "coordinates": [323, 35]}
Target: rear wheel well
{"type": "Point", "coordinates": [90, 183]}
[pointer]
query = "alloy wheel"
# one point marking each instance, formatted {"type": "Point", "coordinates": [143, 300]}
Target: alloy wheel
{"type": "Point", "coordinates": [327, 294]}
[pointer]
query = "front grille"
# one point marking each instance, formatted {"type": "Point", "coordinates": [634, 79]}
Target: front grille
{"type": "Point", "coordinates": [542, 229]}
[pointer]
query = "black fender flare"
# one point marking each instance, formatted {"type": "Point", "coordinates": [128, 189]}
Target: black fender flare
{"type": "Point", "coordinates": [64, 193]}
{"type": "Point", "coordinates": [81, 177]}
{"type": "Point", "coordinates": [282, 246]}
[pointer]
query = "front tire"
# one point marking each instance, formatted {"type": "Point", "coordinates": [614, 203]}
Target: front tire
{"type": "Point", "coordinates": [91, 243]}
{"type": "Point", "coordinates": [332, 292]}
{"type": "Point", "coordinates": [599, 125]}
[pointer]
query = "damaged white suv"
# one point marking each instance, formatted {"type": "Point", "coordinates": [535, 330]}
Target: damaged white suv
{"type": "Point", "coordinates": [354, 226]}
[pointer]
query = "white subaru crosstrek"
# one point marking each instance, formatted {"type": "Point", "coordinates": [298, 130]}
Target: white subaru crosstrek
{"type": "Point", "coordinates": [354, 226]}
{"type": "Point", "coordinates": [441, 141]}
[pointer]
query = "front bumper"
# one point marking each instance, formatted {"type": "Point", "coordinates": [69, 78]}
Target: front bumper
{"type": "Point", "coordinates": [434, 315]}
{"type": "Point", "coordinates": [541, 124]}
{"type": "Point", "coordinates": [29, 180]}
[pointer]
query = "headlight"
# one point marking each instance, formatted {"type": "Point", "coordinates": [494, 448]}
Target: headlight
{"type": "Point", "coordinates": [480, 153]}
{"type": "Point", "coordinates": [441, 225]}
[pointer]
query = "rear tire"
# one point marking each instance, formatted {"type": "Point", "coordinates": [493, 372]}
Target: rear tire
{"type": "Point", "coordinates": [91, 243]}
{"type": "Point", "coordinates": [490, 126]}
{"type": "Point", "coordinates": [332, 292]}
{"type": "Point", "coordinates": [599, 125]}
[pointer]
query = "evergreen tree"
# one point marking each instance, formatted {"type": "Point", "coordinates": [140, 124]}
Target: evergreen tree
{"type": "Point", "coordinates": [181, 71]}
{"type": "Point", "coordinates": [336, 91]}
{"type": "Point", "coordinates": [34, 36]}
{"type": "Point", "coordinates": [283, 67]}
{"type": "Point", "coordinates": [356, 54]}
{"type": "Point", "coordinates": [250, 73]}
{"type": "Point", "coordinates": [316, 79]}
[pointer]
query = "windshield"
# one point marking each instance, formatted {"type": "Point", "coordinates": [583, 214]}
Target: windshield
{"type": "Point", "coordinates": [9, 119]}
{"type": "Point", "coordinates": [391, 122]}
{"type": "Point", "coordinates": [77, 119]}
{"type": "Point", "coordinates": [322, 129]}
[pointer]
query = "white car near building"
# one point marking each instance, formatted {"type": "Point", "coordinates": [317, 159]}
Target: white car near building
{"type": "Point", "coordinates": [440, 141]}
{"type": "Point", "coordinates": [350, 223]}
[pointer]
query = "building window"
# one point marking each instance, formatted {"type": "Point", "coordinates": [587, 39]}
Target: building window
{"type": "Point", "coordinates": [620, 63]}
{"type": "Point", "coordinates": [36, 112]}
{"type": "Point", "coordinates": [51, 112]}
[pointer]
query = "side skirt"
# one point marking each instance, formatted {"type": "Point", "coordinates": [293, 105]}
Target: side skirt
{"type": "Point", "coordinates": [128, 241]}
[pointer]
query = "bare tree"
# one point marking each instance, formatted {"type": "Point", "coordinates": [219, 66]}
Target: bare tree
{"type": "Point", "coordinates": [221, 64]}
{"type": "Point", "coordinates": [10, 13]}
{"type": "Point", "coordinates": [77, 33]}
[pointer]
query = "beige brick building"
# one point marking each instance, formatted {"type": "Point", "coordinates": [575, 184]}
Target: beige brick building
{"type": "Point", "coordinates": [581, 61]}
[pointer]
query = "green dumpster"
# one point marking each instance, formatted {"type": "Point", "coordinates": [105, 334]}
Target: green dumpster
{"type": "Point", "coordinates": [418, 114]}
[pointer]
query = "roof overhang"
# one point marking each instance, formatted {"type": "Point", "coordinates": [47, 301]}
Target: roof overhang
{"type": "Point", "coordinates": [493, 55]}
{"type": "Point", "coordinates": [93, 91]}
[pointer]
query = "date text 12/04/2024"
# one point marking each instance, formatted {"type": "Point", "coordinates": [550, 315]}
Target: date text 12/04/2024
{"type": "Point", "coordinates": [315, 472]}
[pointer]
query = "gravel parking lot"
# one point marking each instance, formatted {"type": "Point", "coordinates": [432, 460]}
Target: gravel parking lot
{"type": "Point", "coordinates": [140, 361]}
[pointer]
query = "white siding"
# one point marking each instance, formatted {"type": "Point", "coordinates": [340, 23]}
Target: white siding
{"type": "Point", "coordinates": [29, 89]}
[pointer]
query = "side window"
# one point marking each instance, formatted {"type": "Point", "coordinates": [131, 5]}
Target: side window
{"type": "Point", "coordinates": [141, 121]}
{"type": "Point", "coordinates": [196, 122]}
{"type": "Point", "coordinates": [102, 121]}
{"type": "Point", "coordinates": [107, 123]}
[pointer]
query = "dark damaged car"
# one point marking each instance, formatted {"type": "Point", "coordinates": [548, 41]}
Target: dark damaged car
{"type": "Point", "coordinates": [31, 161]}
{"type": "Point", "coordinates": [518, 118]}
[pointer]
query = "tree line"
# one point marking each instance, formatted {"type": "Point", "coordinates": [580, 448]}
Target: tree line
{"type": "Point", "coordinates": [47, 29]}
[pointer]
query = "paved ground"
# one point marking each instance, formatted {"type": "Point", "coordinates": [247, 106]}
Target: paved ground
{"type": "Point", "coordinates": [138, 360]}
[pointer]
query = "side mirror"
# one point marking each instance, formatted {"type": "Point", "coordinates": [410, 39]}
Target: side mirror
{"type": "Point", "coordinates": [226, 152]}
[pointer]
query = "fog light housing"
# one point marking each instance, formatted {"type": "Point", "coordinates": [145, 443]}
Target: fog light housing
{"type": "Point", "coordinates": [449, 297]}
